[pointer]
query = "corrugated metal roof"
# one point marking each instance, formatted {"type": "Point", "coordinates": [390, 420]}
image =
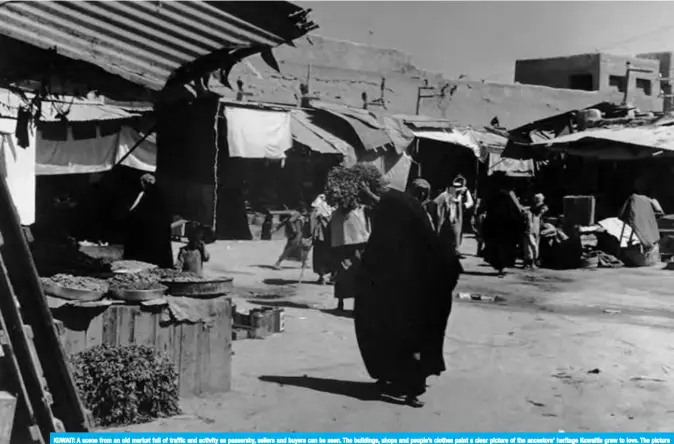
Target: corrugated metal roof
{"type": "Point", "coordinates": [145, 42]}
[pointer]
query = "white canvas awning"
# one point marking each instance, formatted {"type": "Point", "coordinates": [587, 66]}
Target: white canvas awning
{"type": "Point", "coordinates": [453, 137]}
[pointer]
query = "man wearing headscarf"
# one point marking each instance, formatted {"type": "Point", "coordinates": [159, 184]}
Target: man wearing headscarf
{"type": "Point", "coordinates": [323, 260]}
{"type": "Point", "coordinates": [421, 189]}
{"type": "Point", "coordinates": [403, 297]}
{"type": "Point", "coordinates": [450, 207]}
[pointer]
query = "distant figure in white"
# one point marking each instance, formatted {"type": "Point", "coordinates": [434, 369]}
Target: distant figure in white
{"type": "Point", "coordinates": [451, 204]}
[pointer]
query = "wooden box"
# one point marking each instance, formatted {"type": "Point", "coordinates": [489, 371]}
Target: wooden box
{"type": "Point", "coordinates": [201, 352]}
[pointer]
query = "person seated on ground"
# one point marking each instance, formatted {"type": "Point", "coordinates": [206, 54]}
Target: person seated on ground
{"type": "Point", "coordinates": [192, 256]}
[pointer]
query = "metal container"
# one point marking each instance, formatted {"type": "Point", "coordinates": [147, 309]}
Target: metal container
{"type": "Point", "coordinates": [139, 295]}
{"type": "Point", "coordinates": [71, 294]}
{"type": "Point", "coordinates": [257, 323]}
{"type": "Point", "coordinates": [281, 320]}
{"type": "Point", "coordinates": [210, 288]}
{"type": "Point", "coordinates": [268, 313]}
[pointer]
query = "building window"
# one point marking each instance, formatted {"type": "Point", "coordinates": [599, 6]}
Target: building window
{"type": "Point", "coordinates": [617, 82]}
{"type": "Point", "coordinates": [645, 86]}
{"type": "Point", "coordinates": [583, 82]}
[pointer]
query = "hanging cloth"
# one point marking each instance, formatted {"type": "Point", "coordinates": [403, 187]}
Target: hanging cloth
{"type": "Point", "coordinates": [255, 134]}
{"type": "Point", "coordinates": [23, 120]}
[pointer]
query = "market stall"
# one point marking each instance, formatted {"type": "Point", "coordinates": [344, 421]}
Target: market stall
{"type": "Point", "coordinates": [615, 163]}
{"type": "Point", "coordinates": [126, 302]}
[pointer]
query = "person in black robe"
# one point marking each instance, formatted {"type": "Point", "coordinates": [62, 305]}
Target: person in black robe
{"type": "Point", "coordinates": [149, 227]}
{"type": "Point", "coordinates": [503, 227]}
{"type": "Point", "coordinates": [403, 297]}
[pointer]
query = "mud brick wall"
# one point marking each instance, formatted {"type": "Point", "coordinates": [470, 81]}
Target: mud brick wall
{"type": "Point", "coordinates": [342, 71]}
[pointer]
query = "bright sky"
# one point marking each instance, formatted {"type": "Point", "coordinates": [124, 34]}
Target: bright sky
{"type": "Point", "coordinates": [483, 39]}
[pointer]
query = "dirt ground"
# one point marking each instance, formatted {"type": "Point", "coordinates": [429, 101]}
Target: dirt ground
{"type": "Point", "coordinates": [574, 350]}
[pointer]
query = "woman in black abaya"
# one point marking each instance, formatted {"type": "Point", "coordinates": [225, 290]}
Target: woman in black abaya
{"type": "Point", "coordinates": [403, 297]}
{"type": "Point", "coordinates": [149, 227]}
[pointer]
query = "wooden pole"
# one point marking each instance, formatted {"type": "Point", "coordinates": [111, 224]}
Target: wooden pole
{"type": "Point", "coordinates": [36, 313]}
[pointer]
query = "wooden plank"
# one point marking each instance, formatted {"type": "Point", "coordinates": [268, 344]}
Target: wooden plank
{"type": "Point", "coordinates": [75, 342]}
{"type": "Point", "coordinates": [110, 326]}
{"type": "Point", "coordinates": [7, 409]}
{"type": "Point", "coordinates": [188, 358]}
{"type": "Point", "coordinates": [36, 313]}
{"type": "Point", "coordinates": [94, 334]}
{"type": "Point", "coordinates": [144, 327]}
{"type": "Point", "coordinates": [18, 346]}
{"type": "Point", "coordinates": [164, 338]}
{"type": "Point", "coordinates": [175, 353]}
{"type": "Point", "coordinates": [125, 325]}
{"type": "Point", "coordinates": [203, 365]}
{"type": "Point", "coordinates": [220, 349]}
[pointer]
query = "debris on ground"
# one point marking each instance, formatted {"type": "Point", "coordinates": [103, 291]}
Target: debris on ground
{"type": "Point", "coordinates": [479, 297]}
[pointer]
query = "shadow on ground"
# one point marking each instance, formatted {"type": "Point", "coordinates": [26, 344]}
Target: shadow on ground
{"type": "Point", "coordinates": [282, 304]}
{"type": "Point", "coordinates": [280, 282]}
{"type": "Point", "coordinates": [480, 273]}
{"type": "Point", "coordinates": [362, 391]}
{"type": "Point", "coordinates": [339, 313]}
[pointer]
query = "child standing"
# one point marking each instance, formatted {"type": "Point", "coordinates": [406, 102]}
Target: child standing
{"type": "Point", "coordinates": [532, 236]}
{"type": "Point", "coordinates": [192, 256]}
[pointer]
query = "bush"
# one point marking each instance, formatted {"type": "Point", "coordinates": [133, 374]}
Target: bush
{"type": "Point", "coordinates": [342, 189]}
{"type": "Point", "coordinates": [126, 384]}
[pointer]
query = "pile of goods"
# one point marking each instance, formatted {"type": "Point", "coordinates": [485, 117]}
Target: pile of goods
{"type": "Point", "coordinates": [343, 187]}
{"type": "Point", "coordinates": [131, 267]}
{"type": "Point", "coordinates": [128, 384]}
{"type": "Point", "coordinates": [169, 275]}
{"type": "Point", "coordinates": [135, 282]}
{"type": "Point", "coordinates": [54, 257]}
{"type": "Point", "coordinates": [82, 283]}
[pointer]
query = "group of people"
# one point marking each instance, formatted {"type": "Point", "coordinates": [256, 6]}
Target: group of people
{"type": "Point", "coordinates": [397, 255]}
{"type": "Point", "coordinates": [505, 229]}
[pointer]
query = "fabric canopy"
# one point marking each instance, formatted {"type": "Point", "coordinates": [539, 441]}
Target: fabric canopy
{"type": "Point", "coordinates": [621, 143]}
{"type": "Point", "coordinates": [511, 167]}
{"type": "Point", "coordinates": [305, 132]}
{"type": "Point", "coordinates": [454, 137]}
{"type": "Point", "coordinates": [370, 131]}
{"type": "Point", "coordinates": [395, 168]}
{"type": "Point", "coordinates": [258, 134]}
{"type": "Point", "coordinates": [17, 166]}
{"type": "Point", "coordinates": [94, 155]}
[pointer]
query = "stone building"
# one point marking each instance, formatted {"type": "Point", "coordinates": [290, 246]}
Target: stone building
{"type": "Point", "coordinates": [595, 72]}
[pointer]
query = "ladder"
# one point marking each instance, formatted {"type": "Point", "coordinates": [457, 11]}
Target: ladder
{"type": "Point", "coordinates": [36, 361]}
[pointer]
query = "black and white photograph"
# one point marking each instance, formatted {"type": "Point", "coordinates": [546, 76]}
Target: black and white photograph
{"type": "Point", "coordinates": [336, 216]}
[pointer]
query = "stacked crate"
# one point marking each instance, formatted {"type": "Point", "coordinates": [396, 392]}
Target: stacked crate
{"type": "Point", "coordinates": [259, 323]}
